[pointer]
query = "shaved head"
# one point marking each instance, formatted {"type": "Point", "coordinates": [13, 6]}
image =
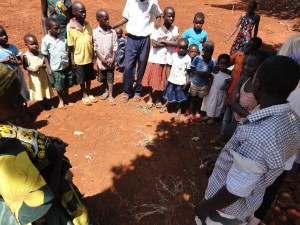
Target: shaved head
{"type": "Point", "coordinates": [77, 5]}
{"type": "Point", "coordinates": [101, 12]}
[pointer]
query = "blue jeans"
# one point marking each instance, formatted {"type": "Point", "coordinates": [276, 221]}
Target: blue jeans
{"type": "Point", "coordinates": [227, 119]}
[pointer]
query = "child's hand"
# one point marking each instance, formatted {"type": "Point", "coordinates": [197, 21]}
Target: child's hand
{"type": "Point", "coordinates": [10, 59]}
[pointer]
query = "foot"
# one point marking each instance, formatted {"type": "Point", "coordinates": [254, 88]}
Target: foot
{"type": "Point", "coordinates": [61, 105]}
{"type": "Point", "coordinates": [158, 105]}
{"type": "Point", "coordinates": [176, 117]}
{"type": "Point", "coordinates": [112, 101]}
{"type": "Point", "coordinates": [211, 121]}
{"type": "Point", "coordinates": [125, 98]}
{"type": "Point", "coordinates": [198, 116]}
{"type": "Point", "coordinates": [86, 101]}
{"type": "Point", "coordinates": [93, 99]}
{"type": "Point", "coordinates": [104, 96]}
{"type": "Point", "coordinates": [163, 110]}
{"type": "Point", "coordinates": [206, 118]}
{"type": "Point", "coordinates": [189, 118]}
{"type": "Point", "coordinates": [137, 98]}
{"type": "Point", "coordinates": [149, 105]}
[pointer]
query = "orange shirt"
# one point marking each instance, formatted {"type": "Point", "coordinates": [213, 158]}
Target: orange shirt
{"type": "Point", "coordinates": [236, 60]}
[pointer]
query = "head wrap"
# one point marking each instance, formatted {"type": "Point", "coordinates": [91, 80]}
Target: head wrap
{"type": "Point", "coordinates": [7, 76]}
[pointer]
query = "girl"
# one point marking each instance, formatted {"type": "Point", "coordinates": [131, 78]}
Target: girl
{"type": "Point", "coordinates": [213, 103]}
{"type": "Point", "coordinates": [33, 62]}
{"type": "Point", "coordinates": [10, 55]}
{"type": "Point", "coordinates": [178, 81]}
{"type": "Point", "coordinates": [248, 21]}
{"type": "Point", "coordinates": [243, 101]}
{"type": "Point", "coordinates": [163, 40]}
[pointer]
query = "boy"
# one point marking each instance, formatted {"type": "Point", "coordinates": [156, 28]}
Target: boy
{"type": "Point", "coordinates": [120, 55]}
{"type": "Point", "coordinates": [105, 47]}
{"type": "Point", "coordinates": [55, 50]}
{"type": "Point", "coordinates": [255, 156]}
{"type": "Point", "coordinates": [202, 67]}
{"type": "Point", "coordinates": [79, 33]}
{"type": "Point", "coordinates": [139, 15]}
{"type": "Point", "coordinates": [193, 51]}
{"type": "Point", "coordinates": [196, 35]}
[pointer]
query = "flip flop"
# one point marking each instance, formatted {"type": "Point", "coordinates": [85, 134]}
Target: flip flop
{"type": "Point", "coordinates": [125, 98]}
{"type": "Point", "coordinates": [103, 96]}
{"type": "Point", "coordinates": [149, 105]}
{"type": "Point", "coordinates": [112, 102]}
{"type": "Point", "coordinates": [86, 101]}
{"type": "Point", "coordinates": [93, 99]}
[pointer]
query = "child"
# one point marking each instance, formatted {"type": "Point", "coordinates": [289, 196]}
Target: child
{"type": "Point", "coordinates": [178, 80]}
{"type": "Point", "coordinates": [236, 60]}
{"type": "Point", "coordinates": [255, 156]}
{"type": "Point", "coordinates": [202, 67]}
{"type": "Point", "coordinates": [196, 35]}
{"type": "Point", "coordinates": [10, 55]}
{"type": "Point", "coordinates": [213, 103]}
{"type": "Point", "coordinates": [39, 84]}
{"type": "Point", "coordinates": [55, 51]}
{"type": "Point", "coordinates": [79, 36]}
{"type": "Point", "coordinates": [120, 55]}
{"type": "Point", "coordinates": [105, 46]}
{"type": "Point", "coordinates": [193, 51]}
{"type": "Point", "coordinates": [163, 40]}
{"type": "Point", "coordinates": [248, 21]}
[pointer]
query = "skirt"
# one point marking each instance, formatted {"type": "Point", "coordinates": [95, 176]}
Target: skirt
{"type": "Point", "coordinates": [155, 76]}
{"type": "Point", "coordinates": [174, 93]}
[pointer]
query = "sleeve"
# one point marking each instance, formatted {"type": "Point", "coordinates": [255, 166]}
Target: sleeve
{"type": "Point", "coordinates": [155, 9]}
{"type": "Point", "coordinates": [23, 189]}
{"type": "Point", "coordinates": [70, 40]}
{"type": "Point", "coordinates": [15, 50]}
{"type": "Point", "coordinates": [205, 37]}
{"type": "Point", "coordinates": [115, 41]}
{"type": "Point", "coordinates": [44, 49]}
{"type": "Point", "coordinates": [154, 34]}
{"type": "Point", "coordinates": [195, 61]}
{"type": "Point", "coordinates": [175, 31]}
{"type": "Point", "coordinates": [170, 60]}
{"type": "Point", "coordinates": [188, 65]}
{"type": "Point", "coordinates": [185, 34]}
{"type": "Point", "coordinates": [126, 11]}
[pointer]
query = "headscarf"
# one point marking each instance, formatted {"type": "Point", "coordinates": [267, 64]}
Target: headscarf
{"type": "Point", "coordinates": [7, 76]}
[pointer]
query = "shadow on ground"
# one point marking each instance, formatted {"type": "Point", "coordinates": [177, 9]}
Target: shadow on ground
{"type": "Point", "coordinates": [162, 188]}
{"type": "Point", "coordinates": [283, 10]}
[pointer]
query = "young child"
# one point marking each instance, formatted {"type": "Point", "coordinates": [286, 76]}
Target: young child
{"type": "Point", "coordinates": [105, 46]}
{"type": "Point", "coordinates": [163, 40]}
{"type": "Point", "coordinates": [193, 51]}
{"type": "Point", "coordinates": [120, 55]}
{"type": "Point", "coordinates": [33, 61]}
{"type": "Point", "coordinates": [213, 103]}
{"type": "Point", "coordinates": [55, 51]}
{"type": "Point", "coordinates": [196, 35]}
{"type": "Point", "coordinates": [10, 55]}
{"type": "Point", "coordinates": [255, 156]}
{"type": "Point", "coordinates": [202, 67]}
{"type": "Point", "coordinates": [178, 80]}
{"type": "Point", "coordinates": [79, 36]}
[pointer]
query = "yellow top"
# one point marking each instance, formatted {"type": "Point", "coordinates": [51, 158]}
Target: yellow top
{"type": "Point", "coordinates": [80, 37]}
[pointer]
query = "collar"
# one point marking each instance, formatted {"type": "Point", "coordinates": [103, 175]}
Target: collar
{"type": "Point", "coordinates": [269, 111]}
{"type": "Point", "coordinates": [49, 37]}
{"type": "Point", "coordinates": [100, 29]}
{"type": "Point", "coordinates": [75, 24]}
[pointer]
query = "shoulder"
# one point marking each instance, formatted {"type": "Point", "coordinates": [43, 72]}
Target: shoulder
{"type": "Point", "coordinates": [188, 31]}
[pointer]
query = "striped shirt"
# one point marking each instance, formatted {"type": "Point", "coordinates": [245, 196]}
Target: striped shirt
{"type": "Point", "coordinates": [254, 157]}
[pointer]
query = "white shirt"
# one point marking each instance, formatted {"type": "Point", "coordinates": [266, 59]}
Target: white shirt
{"type": "Point", "coordinates": [161, 55]}
{"type": "Point", "coordinates": [140, 16]}
{"type": "Point", "coordinates": [180, 65]}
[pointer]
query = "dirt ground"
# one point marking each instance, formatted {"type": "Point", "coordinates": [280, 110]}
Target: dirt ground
{"type": "Point", "coordinates": [133, 165]}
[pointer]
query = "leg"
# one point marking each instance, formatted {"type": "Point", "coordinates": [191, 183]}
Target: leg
{"type": "Point", "coordinates": [131, 53]}
{"type": "Point", "coordinates": [142, 60]}
{"type": "Point", "coordinates": [178, 113]}
{"type": "Point", "coordinates": [110, 86]}
{"type": "Point", "coordinates": [61, 97]}
{"type": "Point", "coordinates": [227, 119]}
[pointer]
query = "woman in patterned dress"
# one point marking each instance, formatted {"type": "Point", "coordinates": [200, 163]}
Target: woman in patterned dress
{"type": "Point", "coordinates": [247, 21]}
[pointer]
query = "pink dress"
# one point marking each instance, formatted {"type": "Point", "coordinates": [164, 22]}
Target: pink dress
{"type": "Point", "coordinates": [247, 100]}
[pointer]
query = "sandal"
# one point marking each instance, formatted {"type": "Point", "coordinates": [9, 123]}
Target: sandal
{"type": "Point", "coordinates": [149, 105]}
{"type": "Point", "coordinates": [189, 118]}
{"type": "Point", "coordinates": [103, 96]}
{"type": "Point", "coordinates": [198, 116]}
{"type": "Point", "coordinates": [158, 105]}
{"type": "Point", "coordinates": [125, 98]}
{"type": "Point", "coordinates": [93, 99]}
{"type": "Point", "coordinates": [137, 98]}
{"type": "Point", "coordinates": [211, 121]}
{"type": "Point", "coordinates": [86, 101]}
{"type": "Point", "coordinates": [112, 102]}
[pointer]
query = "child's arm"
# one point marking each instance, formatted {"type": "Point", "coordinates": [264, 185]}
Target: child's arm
{"type": "Point", "coordinates": [26, 67]}
{"type": "Point", "coordinates": [44, 7]}
{"type": "Point", "coordinates": [187, 82]}
{"type": "Point", "coordinates": [256, 26]}
{"type": "Point", "coordinates": [47, 62]}
{"type": "Point", "coordinates": [235, 28]}
{"type": "Point", "coordinates": [71, 48]}
{"type": "Point", "coordinates": [170, 42]}
{"type": "Point", "coordinates": [198, 72]}
{"type": "Point", "coordinates": [157, 43]}
{"type": "Point", "coordinates": [235, 102]}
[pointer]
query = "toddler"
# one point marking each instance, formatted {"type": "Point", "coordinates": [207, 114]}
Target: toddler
{"type": "Point", "coordinates": [163, 40]}
{"type": "Point", "coordinates": [178, 80]}
{"type": "Point", "coordinates": [55, 51]}
{"type": "Point", "coordinates": [202, 67]}
{"type": "Point", "coordinates": [120, 55]}
{"type": "Point", "coordinates": [213, 103]}
{"type": "Point", "coordinates": [196, 35]}
{"type": "Point", "coordinates": [39, 84]}
{"type": "Point", "coordinates": [105, 46]}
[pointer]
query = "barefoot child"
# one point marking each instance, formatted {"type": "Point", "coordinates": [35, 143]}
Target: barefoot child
{"type": "Point", "coordinates": [105, 47]}
{"type": "Point", "coordinates": [55, 51]}
{"type": "Point", "coordinates": [34, 62]}
{"type": "Point", "coordinates": [178, 80]}
{"type": "Point", "coordinates": [202, 67]}
{"type": "Point", "coordinates": [120, 54]}
{"type": "Point", "coordinates": [79, 36]}
{"type": "Point", "coordinates": [255, 156]}
{"type": "Point", "coordinates": [10, 55]}
{"type": "Point", "coordinates": [163, 40]}
{"type": "Point", "coordinates": [196, 35]}
{"type": "Point", "coordinates": [213, 103]}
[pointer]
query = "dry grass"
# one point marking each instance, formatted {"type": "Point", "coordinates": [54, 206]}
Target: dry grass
{"type": "Point", "coordinates": [147, 140]}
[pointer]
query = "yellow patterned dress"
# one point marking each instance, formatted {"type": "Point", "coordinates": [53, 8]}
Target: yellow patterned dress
{"type": "Point", "coordinates": [26, 159]}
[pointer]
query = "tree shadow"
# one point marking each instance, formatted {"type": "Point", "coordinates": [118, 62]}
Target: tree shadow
{"type": "Point", "coordinates": [283, 10]}
{"type": "Point", "coordinates": [161, 188]}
